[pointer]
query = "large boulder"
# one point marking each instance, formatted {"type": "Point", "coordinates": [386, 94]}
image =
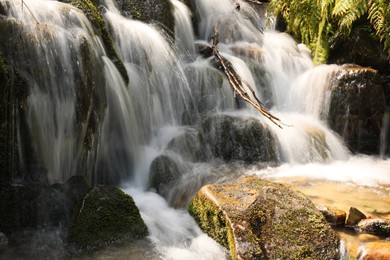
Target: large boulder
{"type": "Point", "coordinates": [105, 215]}
{"type": "Point", "coordinates": [245, 139]}
{"type": "Point", "coordinates": [259, 219]}
{"type": "Point", "coordinates": [357, 108]}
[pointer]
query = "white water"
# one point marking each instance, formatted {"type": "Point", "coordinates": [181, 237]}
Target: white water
{"type": "Point", "coordinates": [142, 117]}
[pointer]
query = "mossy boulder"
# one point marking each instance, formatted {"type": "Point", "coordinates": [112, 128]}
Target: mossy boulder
{"type": "Point", "coordinates": [239, 139]}
{"type": "Point", "coordinates": [357, 106]}
{"type": "Point", "coordinates": [258, 219]}
{"type": "Point", "coordinates": [105, 215]}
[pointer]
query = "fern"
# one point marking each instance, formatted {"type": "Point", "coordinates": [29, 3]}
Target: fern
{"type": "Point", "coordinates": [314, 22]}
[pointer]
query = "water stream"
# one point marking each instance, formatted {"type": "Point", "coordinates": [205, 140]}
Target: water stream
{"type": "Point", "coordinates": [169, 81]}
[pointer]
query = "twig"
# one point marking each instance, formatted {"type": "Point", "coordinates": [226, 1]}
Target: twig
{"type": "Point", "coordinates": [28, 8]}
{"type": "Point", "coordinates": [235, 82]}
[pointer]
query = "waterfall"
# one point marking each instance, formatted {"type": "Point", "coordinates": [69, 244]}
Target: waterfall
{"type": "Point", "coordinates": [83, 118]}
{"type": "Point", "coordinates": [59, 42]}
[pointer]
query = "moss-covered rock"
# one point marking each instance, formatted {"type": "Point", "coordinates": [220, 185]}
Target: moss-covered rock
{"type": "Point", "coordinates": [149, 11]}
{"type": "Point", "coordinates": [259, 219]}
{"type": "Point", "coordinates": [357, 107]}
{"type": "Point", "coordinates": [234, 138]}
{"type": "Point", "coordinates": [90, 10]}
{"type": "Point", "coordinates": [104, 216]}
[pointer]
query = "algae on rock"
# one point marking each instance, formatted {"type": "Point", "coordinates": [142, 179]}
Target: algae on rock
{"type": "Point", "coordinates": [106, 215]}
{"type": "Point", "coordinates": [259, 219]}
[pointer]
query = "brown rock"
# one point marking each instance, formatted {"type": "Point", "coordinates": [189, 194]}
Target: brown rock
{"type": "Point", "coordinates": [259, 219]}
{"type": "Point", "coordinates": [332, 215]}
{"type": "Point", "coordinates": [375, 251]}
{"type": "Point", "coordinates": [354, 216]}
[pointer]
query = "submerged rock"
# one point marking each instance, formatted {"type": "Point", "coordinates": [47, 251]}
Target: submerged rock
{"type": "Point", "coordinates": [3, 241]}
{"type": "Point", "coordinates": [106, 215]}
{"type": "Point", "coordinates": [234, 138]}
{"type": "Point", "coordinates": [259, 219]}
{"type": "Point", "coordinates": [357, 108]}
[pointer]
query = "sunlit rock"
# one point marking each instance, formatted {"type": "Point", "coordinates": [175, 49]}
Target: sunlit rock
{"type": "Point", "coordinates": [374, 251]}
{"type": "Point", "coordinates": [259, 219]}
{"type": "Point", "coordinates": [106, 215]}
{"type": "Point", "coordinates": [233, 138]}
{"type": "Point", "coordinates": [354, 216]}
{"type": "Point", "coordinates": [332, 215]}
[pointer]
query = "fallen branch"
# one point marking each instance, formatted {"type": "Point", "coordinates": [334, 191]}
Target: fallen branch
{"type": "Point", "coordinates": [235, 82]}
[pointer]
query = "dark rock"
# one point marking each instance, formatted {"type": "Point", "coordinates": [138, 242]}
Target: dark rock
{"type": "Point", "coordinates": [357, 108]}
{"type": "Point", "coordinates": [259, 219]}
{"type": "Point", "coordinates": [354, 216]}
{"type": "Point", "coordinates": [105, 216]}
{"type": "Point", "coordinates": [333, 216]}
{"type": "Point", "coordinates": [163, 172]}
{"type": "Point", "coordinates": [149, 11]}
{"type": "Point", "coordinates": [374, 226]}
{"type": "Point", "coordinates": [233, 138]}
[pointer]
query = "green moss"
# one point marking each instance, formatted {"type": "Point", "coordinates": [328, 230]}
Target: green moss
{"type": "Point", "coordinates": [106, 215]}
{"type": "Point", "coordinates": [93, 15]}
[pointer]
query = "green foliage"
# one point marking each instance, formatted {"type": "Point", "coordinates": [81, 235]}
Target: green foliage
{"type": "Point", "coordinates": [314, 22]}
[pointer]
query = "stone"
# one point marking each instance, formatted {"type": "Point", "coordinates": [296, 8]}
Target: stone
{"type": "Point", "coordinates": [357, 107]}
{"type": "Point", "coordinates": [187, 145]}
{"type": "Point", "coordinates": [364, 238]}
{"type": "Point", "coordinates": [259, 219]}
{"type": "Point", "coordinates": [374, 226]}
{"type": "Point", "coordinates": [354, 216]}
{"type": "Point", "coordinates": [239, 139]}
{"type": "Point", "coordinates": [334, 216]}
{"type": "Point", "coordinates": [105, 216]}
{"type": "Point", "coordinates": [162, 173]}
{"type": "Point", "coordinates": [379, 250]}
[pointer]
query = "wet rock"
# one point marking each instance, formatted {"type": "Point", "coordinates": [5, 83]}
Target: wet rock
{"type": "Point", "coordinates": [188, 145]}
{"type": "Point", "coordinates": [374, 226]}
{"type": "Point", "coordinates": [354, 216]}
{"type": "Point", "coordinates": [106, 215]}
{"type": "Point", "coordinates": [149, 11]}
{"type": "Point", "coordinates": [234, 138]}
{"type": "Point", "coordinates": [259, 219]}
{"type": "Point", "coordinates": [375, 251]}
{"type": "Point", "coordinates": [357, 108]}
{"type": "Point", "coordinates": [333, 216]}
{"type": "Point", "coordinates": [163, 172]}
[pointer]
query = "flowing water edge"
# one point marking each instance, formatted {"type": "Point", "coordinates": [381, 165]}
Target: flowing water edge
{"type": "Point", "coordinates": [167, 80]}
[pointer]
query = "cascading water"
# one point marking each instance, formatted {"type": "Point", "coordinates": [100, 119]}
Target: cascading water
{"type": "Point", "coordinates": [56, 37]}
{"type": "Point", "coordinates": [170, 88]}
